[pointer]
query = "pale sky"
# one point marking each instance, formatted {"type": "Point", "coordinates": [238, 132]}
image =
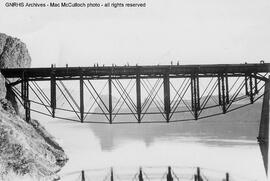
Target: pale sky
{"type": "Point", "coordinates": [191, 32]}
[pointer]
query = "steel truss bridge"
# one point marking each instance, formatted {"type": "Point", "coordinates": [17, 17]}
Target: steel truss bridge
{"type": "Point", "coordinates": [163, 93]}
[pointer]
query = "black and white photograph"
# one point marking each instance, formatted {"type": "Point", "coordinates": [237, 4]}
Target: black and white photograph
{"type": "Point", "coordinates": [134, 90]}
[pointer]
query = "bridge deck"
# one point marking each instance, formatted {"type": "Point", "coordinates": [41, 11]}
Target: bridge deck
{"type": "Point", "coordinates": [155, 70]}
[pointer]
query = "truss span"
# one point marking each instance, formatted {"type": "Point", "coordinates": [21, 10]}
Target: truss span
{"type": "Point", "coordinates": [137, 94]}
{"type": "Point", "coordinates": [143, 94]}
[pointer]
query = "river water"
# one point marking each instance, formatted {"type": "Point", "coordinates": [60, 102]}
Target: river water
{"type": "Point", "coordinates": [95, 148]}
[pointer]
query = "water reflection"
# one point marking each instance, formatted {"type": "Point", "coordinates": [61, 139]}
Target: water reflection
{"type": "Point", "coordinates": [220, 143]}
{"type": "Point", "coordinates": [236, 128]}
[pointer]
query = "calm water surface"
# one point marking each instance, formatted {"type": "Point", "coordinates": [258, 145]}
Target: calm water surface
{"type": "Point", "coordinates": [88, 148]}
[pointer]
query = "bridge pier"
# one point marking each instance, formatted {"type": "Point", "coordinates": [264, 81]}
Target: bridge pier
{"type": "Point", "coordinates": [256, 84]}
{"type": "Point", "coordinates": [251, 85]}
{"type": "Point", "coordinates": [219, 91]}
{"type": "Point", "coordinates": [140, 175]}
{"type": "Point", "coordinates": [227, 89]}
{"type": "Point", "coordinates": [227, 177]}
{"type": "Point", "coordinates": [110, 98]}
{"type": "Point", "coordinates": [251, 95]}
{"type": "Point", "coordinates": [25, 97]}
{"type": "Point", "coordinates": [53, 93]}
{"type": "Point", "coordinates": [81, 99]}
{"type": "Point", "coordinates": [195, 95]}
{"type": "Point", "coordinates": [169, 174]}
{"type": "Point", "coordinates": [167, 100]}
{"type": "Point", "coordinates": [199, 178]}
{"type": "Point", "coordinates": [138, 92]}
{"type": "Point", "coordinates": [246, 84]}
{"type": "Point", "coordinates": [223, 91]}
{"type": "Point", "coordinates": [111, 175]}
{"type": "Point", "coordinates": [83, 176]}
{"type": "Point", "coordinates": [263, 137]}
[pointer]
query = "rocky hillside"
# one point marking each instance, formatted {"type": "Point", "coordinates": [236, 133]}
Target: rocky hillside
{"type": "Point", "coordinates": [26, 150]}
{"type": "Point", "coordinates": [13, 54]}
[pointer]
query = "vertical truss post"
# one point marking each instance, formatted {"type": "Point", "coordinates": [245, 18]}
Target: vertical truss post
{"type": "Point", "coordinates": [53, 93]}
{"type": "Point", "coordinates": [167, 101]}
{"type": "Point", "coordinates": [83, 176]}
{"type": "Point", "coordinates": [25, 97]}
{"type": "Point", "coordinates": [110, 98]}
{"type": "Point", "coordinates": [198, 93]}
{"type": "Point", "coordinates": [219, 91]}
{"type": "Point", "coordinates": [263, 137]}
{"type": "Point", "coordinates": [251, 90]}
{"type": "Point", "coordinates": [138, 92]}
{"type": "Point", "coordinates": [27, 110]}
{"type": "Point", "coordinates": [195, 95]}
{"type": "Point", "coordinates": [169, 174]}
{"type": "Point", "coordinates": [227, 89]}
{"type": "Point", "coordinates": [199, 178]}
{"type": "Point", "coordinates": [246, 85]}
{"type": "Point", "coordinates": [195, 98]}
{"type": "Point", "coordinates": [140, 175]}
{"type": "Point", "coordinates": [192, 92]}
{"type": "Point", "coordinates": [256, 84]}
{"type": "Point", "coordinates": [112, 177]}
{"type": "Point", "coordinates": [223, 94]}
{"type": "Point", "coordinates": [227, 177]}
{"type": "Point", "coordinates": [81, 99]}
{"type": "Point", "coordinates": [23, 90]}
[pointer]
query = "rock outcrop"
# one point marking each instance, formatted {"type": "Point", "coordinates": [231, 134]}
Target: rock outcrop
{"type": "Point", "coordinates": [3, 89]}
{"type": "Point", "coordinates": [26, 149]}
{"type": "Point", "coordinates": [13, 54]}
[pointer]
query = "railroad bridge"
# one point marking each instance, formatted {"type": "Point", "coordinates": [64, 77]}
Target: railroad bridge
{"type": "Point", "coordinates": [173, 92]}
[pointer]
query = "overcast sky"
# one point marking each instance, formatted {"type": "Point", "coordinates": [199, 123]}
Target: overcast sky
{"type": "Point", "coordinates": [191, 32]}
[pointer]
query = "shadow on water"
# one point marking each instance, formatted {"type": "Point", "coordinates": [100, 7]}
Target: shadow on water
{"type": "Point", "coordinates": [232, 129]}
